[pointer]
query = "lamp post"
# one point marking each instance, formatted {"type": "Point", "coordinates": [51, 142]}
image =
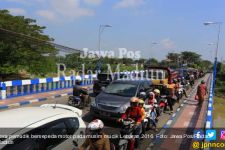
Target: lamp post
{"type": "Point", "coordinates": [101, 28]}
{"type": "Point", "coordinates": [218, 35]}
{"type": "Point", "coordinates": [217, 47]}
{"type": "Point", "coordinates": [211, 51]}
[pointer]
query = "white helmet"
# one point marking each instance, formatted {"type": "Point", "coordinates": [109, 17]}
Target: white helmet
{"type": "Point", "coordinates": [95, 125]}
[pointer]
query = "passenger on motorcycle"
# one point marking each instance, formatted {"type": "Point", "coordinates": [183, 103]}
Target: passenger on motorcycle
{"type": "Point", "coordinates": [143, 115]}
{"type": "Point", "coordinates": [97, 140]}
{"type": "Point", "coordinates": [152, 101]}
{"type": "Point", "coordinates": [134, 112]}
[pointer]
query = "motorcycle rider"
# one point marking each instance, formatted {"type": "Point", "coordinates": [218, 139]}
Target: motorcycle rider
{"type": "Point", "coordinates": [143, 114]}
{"type": "Point", "coordinates": [170, 97]}
{"type": "Point", "coordinates": [97, 140]}
{"type": "Point", "coordinates": [176, 88]}
{"type": "Point", "coordinates": [192, 79]}
{"type": "Point", "coordinates": [82, 92]}
{"type": "Point", "coordinates": [134, 112]}
{"type": "Point", "coordinates": [152, 101]}
{"type": "Point", "coordinates": [142, 96]}
{"type": "Point", "coordinates": [157, 95]}
{"type": "Point", "coordinates": [181, 84]}
{"type": "Point", "coordinates": [158, 98]}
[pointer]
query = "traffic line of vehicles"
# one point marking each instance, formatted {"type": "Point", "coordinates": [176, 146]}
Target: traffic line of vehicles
{"type": "Point", "coordinates": [155, 96]}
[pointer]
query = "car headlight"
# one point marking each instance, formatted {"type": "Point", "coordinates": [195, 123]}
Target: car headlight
{"type": "Point", "coordinates": [93, 104]}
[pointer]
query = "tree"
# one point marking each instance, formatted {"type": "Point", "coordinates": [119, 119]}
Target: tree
{"type": "Point", "coordinates": [205, 65]}
{"type": "Point", "coordinates": [151, 62]}
{"type": "Point", "coordinates": [174, 59]}
{"type": "Point", "coordinates": [190, 57]}
{"type": "Point", "coordinates": [19, 52]}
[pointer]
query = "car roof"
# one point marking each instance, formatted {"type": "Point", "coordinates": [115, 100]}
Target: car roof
{"type": "Point", "coordinates": [26, 116]}
{"type": "Point", "coordinates": [131, 81]}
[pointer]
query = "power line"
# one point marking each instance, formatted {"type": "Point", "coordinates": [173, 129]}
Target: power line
{"type": "Point", "coordinates": [57, 46]}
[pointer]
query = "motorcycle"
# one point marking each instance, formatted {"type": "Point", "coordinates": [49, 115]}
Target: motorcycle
{"type": "Point", "coordinates": [150, 116]}
{"type": "Point", "coordinates": [163, 104]}
{"type": "Point", "coordinates": [127, 140]}
{"type": "Point", "coordinates": [75, 101]}
{"type": "Point", "coordinates": [179, 94]}
{"type": "Point", "coordinates": [80, 97]}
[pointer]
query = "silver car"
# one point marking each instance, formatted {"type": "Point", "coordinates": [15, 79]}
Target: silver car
{"type": "Point", "coordinates": [115, 99]}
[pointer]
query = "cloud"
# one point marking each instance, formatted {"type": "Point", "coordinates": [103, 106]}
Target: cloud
{"type": "Point", "coordinates": [47, 14]}
{"type": "Point", "coordinates": [64, 10]}
{"type": "Point", "coordinates": [129, 3]}
{"type": "Point", "coordinates": [17, 11]}
{"type": "Point", "coordinates": [167, 43]}
{"type": "Point", "coordinates": [70, 8]}
{"type": "Point", "coordinates": [93, 2]}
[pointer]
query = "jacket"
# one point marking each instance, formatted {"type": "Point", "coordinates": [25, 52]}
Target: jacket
{"type": "Point", "coordinates": [100, 144]}
{"type": "Point", "coordinates": [133, 113]}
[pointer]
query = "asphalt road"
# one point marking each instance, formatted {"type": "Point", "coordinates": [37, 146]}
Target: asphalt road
{"type": "Point", "coordinates": [111, 127]}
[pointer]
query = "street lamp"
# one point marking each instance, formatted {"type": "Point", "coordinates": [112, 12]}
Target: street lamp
{"type": "Point", "coordinates": [217, 46]}
{"type": "Point", "coordinates": [101, 28]}
{"type": "Point", "coordinates": [218, 36]}
{"type": "Point", "coordinates": [211, 51]}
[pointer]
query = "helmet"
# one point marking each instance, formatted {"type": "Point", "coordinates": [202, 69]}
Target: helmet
{"type": "Point", "coordinates": [151, 93]}
{"type": "Point", "coordinates": [142, 94]}
{"type": "Point", "coordinates": [95, 125]}
{"type": "Point", "coordinates": [141, 101]}
{"type": "Point", "coordinates": [157, 91]}
{"type": "Point", "coordinates": [202, 82]}
{"type": "Point", "coordinates": [134, 100]}
{"type": "Point", "coordinates": [174, 80]}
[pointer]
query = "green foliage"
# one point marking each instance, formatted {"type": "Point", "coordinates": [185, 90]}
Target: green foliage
{"type": "Point", "coordinates": [20, 52]}
{"type": "Point", "coordinates": [190, 57]}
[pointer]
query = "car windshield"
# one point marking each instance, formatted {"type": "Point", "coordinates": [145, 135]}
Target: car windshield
{"type": "Point", "coordinates": [121, 89]}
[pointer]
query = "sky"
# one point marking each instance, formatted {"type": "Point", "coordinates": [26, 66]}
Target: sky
{"type": "Point", "coordinates": [175, 25]}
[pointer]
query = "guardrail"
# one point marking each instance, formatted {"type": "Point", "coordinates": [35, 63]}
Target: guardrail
{"type": "Point", "coordinates": [209, 119]}
{"type": "Point", "coordinates": [16, 88]}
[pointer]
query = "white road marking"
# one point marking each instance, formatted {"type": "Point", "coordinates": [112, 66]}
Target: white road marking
{"type": "Point", "coordinates": [169, 122]}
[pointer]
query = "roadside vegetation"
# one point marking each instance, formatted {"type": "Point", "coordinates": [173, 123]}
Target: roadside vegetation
{"type": "Point", "coordinates": [219, 99]}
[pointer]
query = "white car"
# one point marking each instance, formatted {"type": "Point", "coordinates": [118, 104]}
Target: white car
{"type": "Point", "coordinates": [52, 120]}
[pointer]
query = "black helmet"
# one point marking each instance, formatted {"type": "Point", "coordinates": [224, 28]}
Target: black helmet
{"type": "Point", "coordinates": [202, 82]}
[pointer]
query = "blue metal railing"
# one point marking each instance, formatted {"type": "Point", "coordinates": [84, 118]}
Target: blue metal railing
{"type": "Point", "coordinates": [16, 88]}
{"type": "Point", "coordinates": [209, 118]}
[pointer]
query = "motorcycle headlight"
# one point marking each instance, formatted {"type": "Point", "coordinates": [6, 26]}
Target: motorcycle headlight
{"type": "Point", "coordinates": [93, 103]}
